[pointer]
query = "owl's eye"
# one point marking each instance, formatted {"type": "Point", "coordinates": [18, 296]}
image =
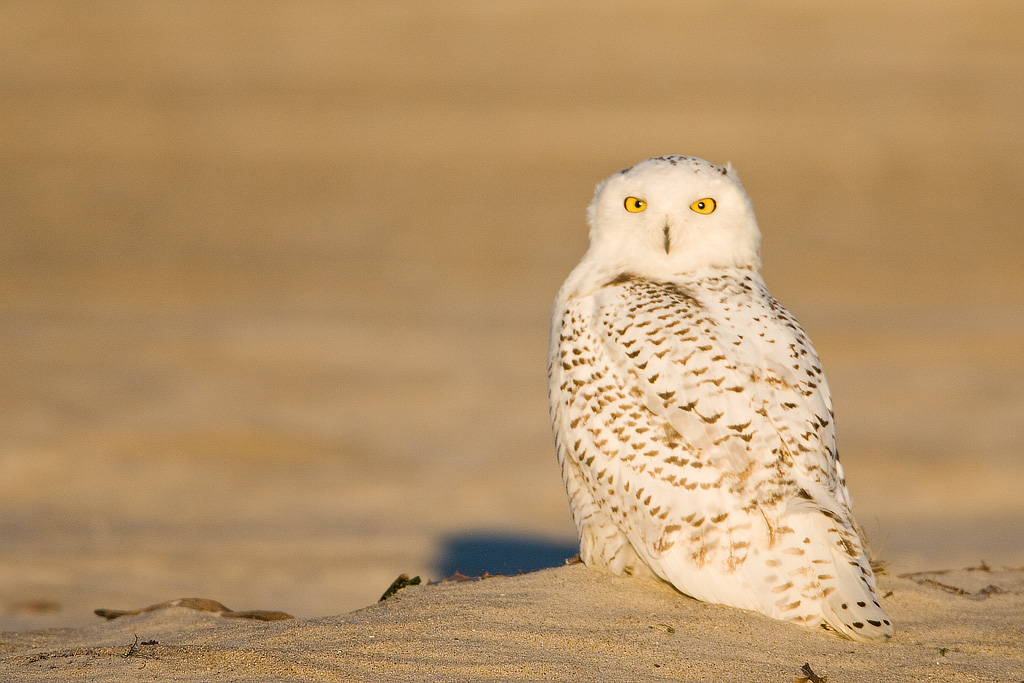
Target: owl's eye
{"type": "Point", "coordinates": [705, 206]}
{"type": "Point", "coordinates": [635, 204]}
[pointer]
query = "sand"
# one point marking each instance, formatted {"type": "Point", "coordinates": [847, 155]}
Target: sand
{"type": "Point", "coordinates": [275, 283]}
{"type": "Point", "coordinates": [563, 624]}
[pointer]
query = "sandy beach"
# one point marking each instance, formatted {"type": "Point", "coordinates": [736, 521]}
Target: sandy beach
{"type": "Point", "coordinates": [275, 283]}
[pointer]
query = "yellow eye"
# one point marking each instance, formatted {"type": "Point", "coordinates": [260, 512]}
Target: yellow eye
{"type": "Point", "coordinates": [635, 205]}
{"type": "Point", "coordinates": [706, 205]}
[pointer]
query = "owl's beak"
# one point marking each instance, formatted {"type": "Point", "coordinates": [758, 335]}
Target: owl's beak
{"type": "Point", "coordinates": [668, 239]}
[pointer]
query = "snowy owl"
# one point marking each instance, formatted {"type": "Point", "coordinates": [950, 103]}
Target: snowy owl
{"type": "Point", "coordinates": [692, 420]}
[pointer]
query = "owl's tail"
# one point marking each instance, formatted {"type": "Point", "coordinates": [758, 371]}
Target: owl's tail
{"type": "Point", "coordinates": [841, 576]}
{"type": "Point", "coordinates": [809, 568]}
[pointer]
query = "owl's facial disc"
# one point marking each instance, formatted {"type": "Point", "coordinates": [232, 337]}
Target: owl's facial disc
{"type": "Point", "coordinates": [672, 215]}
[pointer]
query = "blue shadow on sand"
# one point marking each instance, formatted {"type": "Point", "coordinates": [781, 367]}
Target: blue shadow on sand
{"type": "Point", "coordinates": [476, 554]}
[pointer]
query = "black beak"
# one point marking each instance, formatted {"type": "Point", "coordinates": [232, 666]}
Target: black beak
{"type": "Point", "coordinates": [668, 240]}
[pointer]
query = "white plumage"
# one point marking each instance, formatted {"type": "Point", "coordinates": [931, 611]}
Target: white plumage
{"type": "Point", "coordinates": [692, 420]}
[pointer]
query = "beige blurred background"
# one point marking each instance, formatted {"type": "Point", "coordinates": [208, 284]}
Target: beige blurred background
{"type": "Point", "coordinates": [275, 277]}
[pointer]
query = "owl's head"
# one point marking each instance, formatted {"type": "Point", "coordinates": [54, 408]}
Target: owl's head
{"type": "Point", "coordinates": [673, 215]}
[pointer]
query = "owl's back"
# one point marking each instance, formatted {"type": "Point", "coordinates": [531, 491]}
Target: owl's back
{"type": "Point", "coordinates": [694, 430]}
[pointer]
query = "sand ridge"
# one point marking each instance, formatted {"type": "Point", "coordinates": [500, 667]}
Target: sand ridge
{"type": "Point", "coordinates": [563, 624]}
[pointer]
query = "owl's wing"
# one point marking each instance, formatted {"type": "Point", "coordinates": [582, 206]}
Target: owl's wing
{"type": "Point", "coordinates": [747, 412]}
{"type": "Point", "coordinates": [724, 394]}
{"type": "Point", "coordinates": [712, 455]}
